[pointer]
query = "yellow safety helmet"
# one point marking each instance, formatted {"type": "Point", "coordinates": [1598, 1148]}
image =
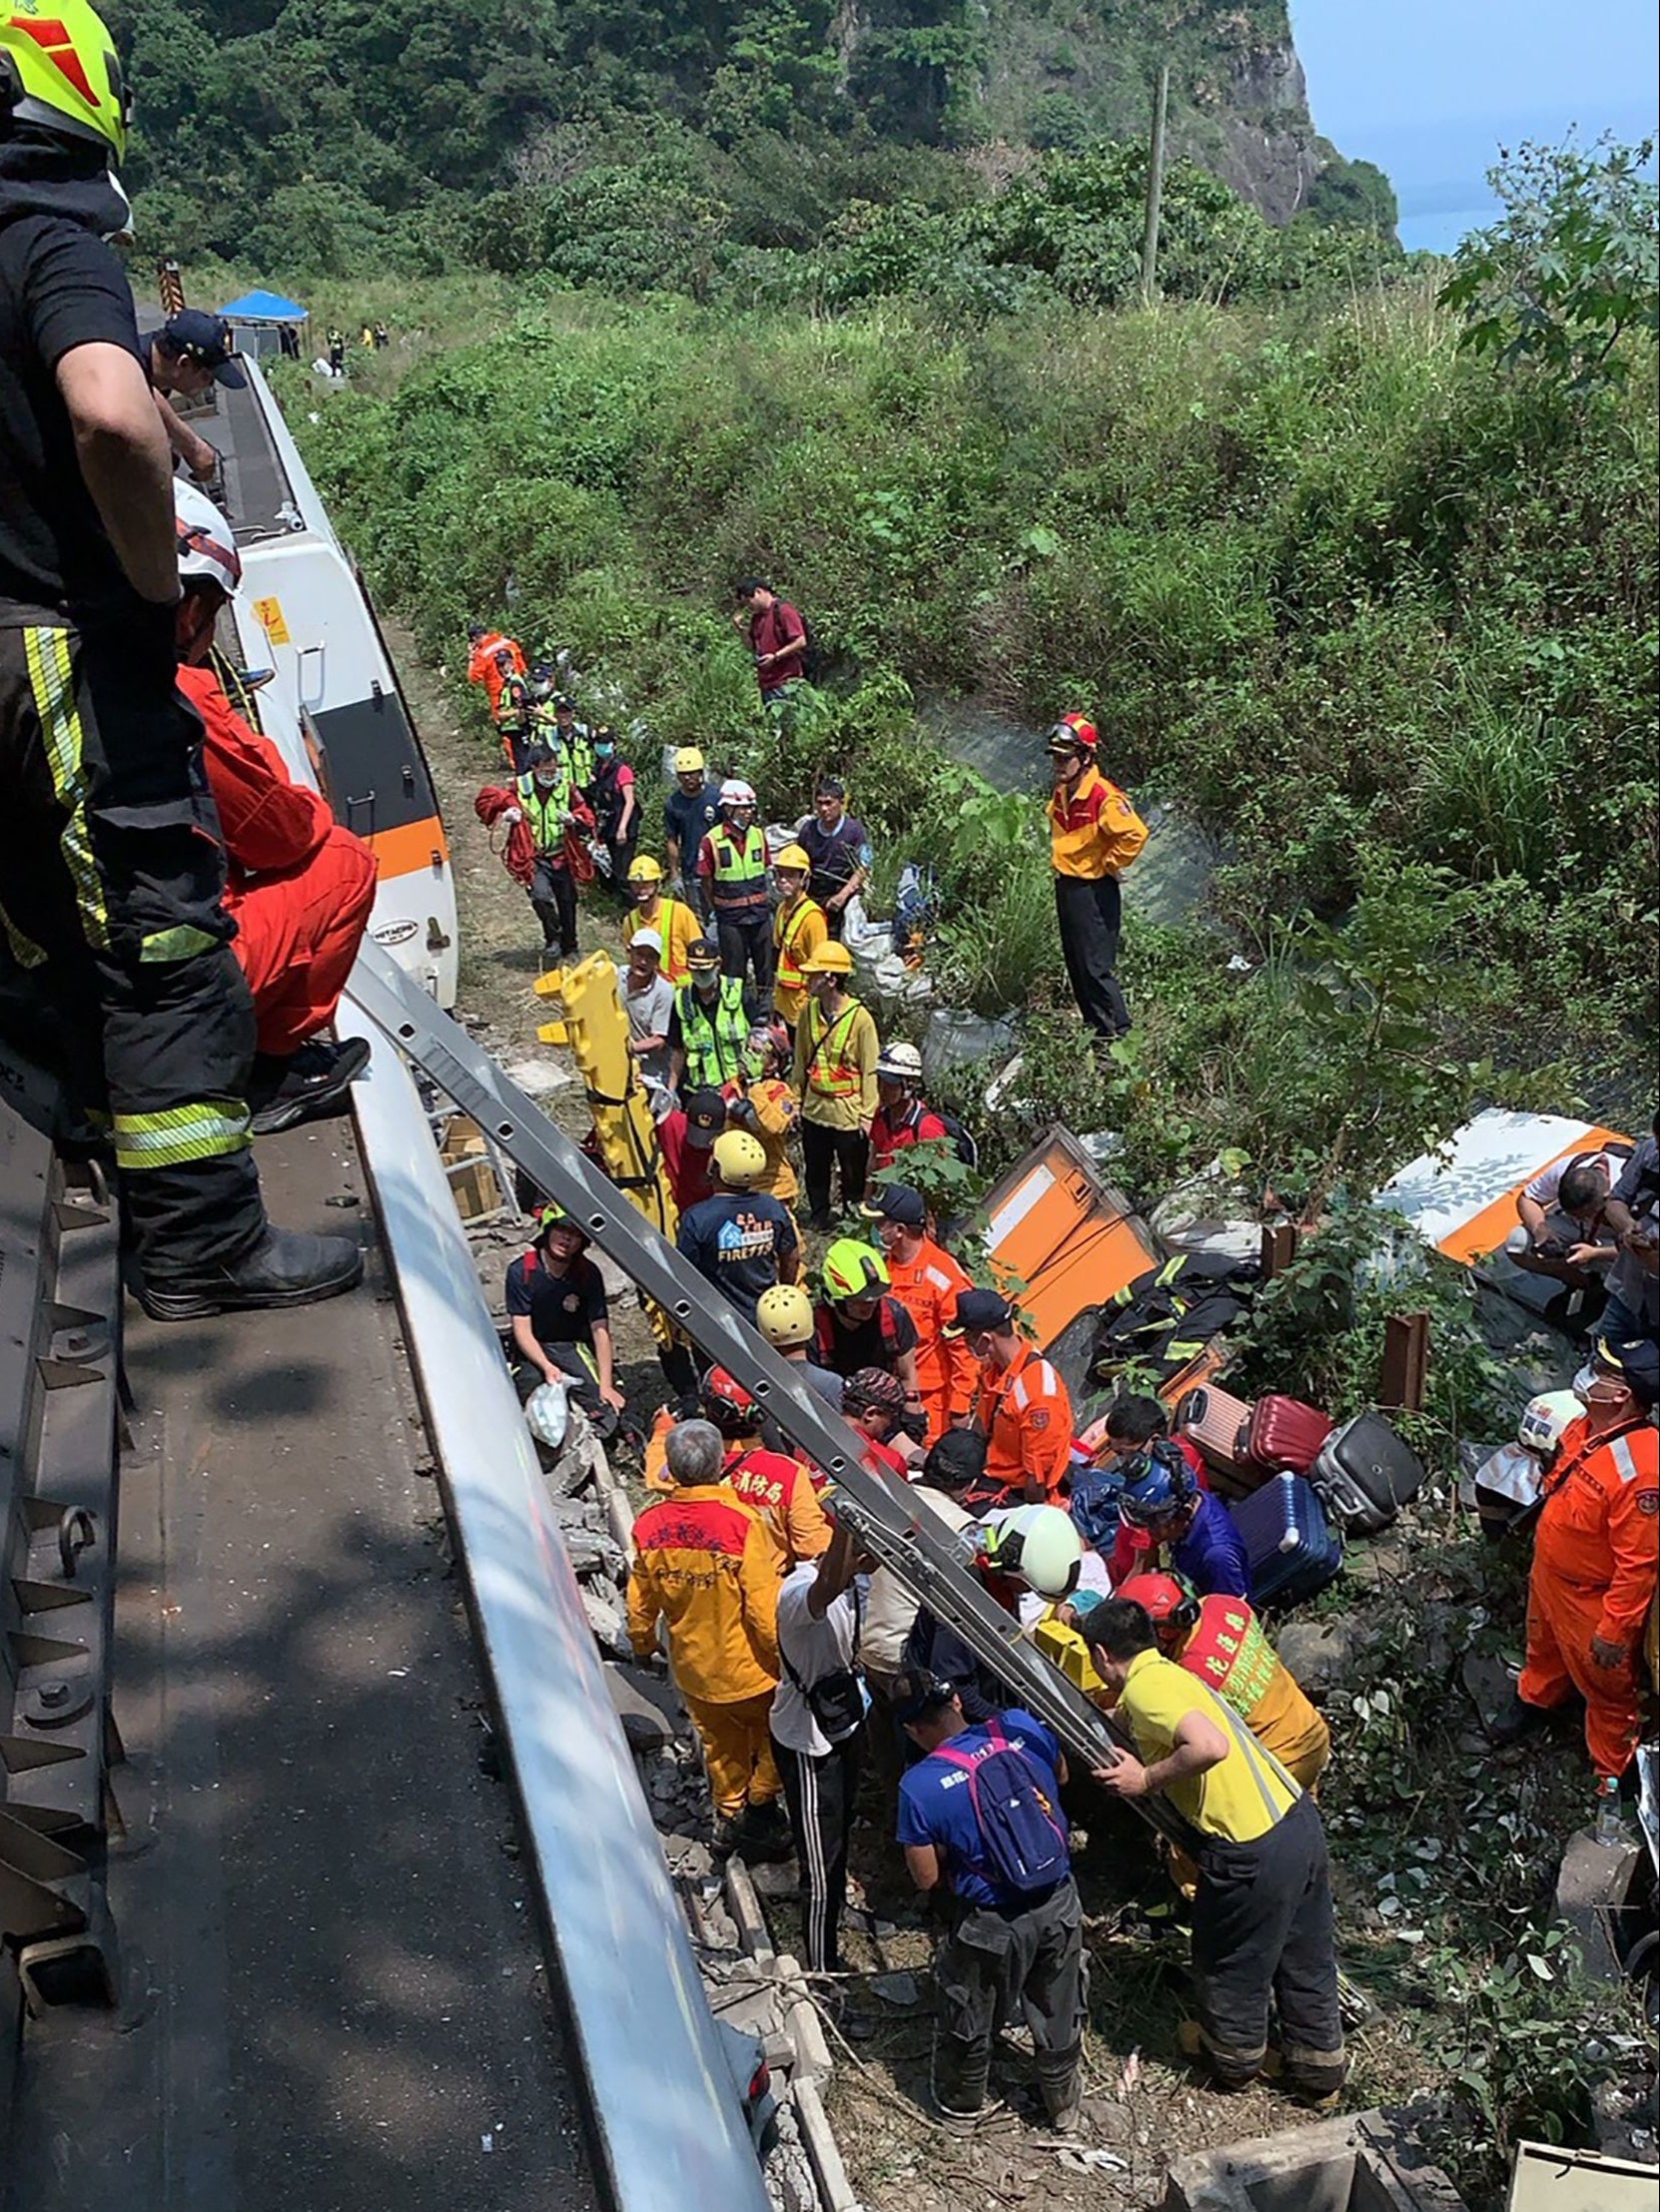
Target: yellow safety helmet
{"type": "Point", "coordinates": [784, 1315]}
{"type": "Point", "coordinates": [59, 69]}
{"type": "Point", "coordinates": [645, 870]}
{"type": "Point", "coordinates": [830, 960]}
{"type": "Point", "coordinates": [793, 856]}
{"type": "Point", "coordinates": [740, 1159]}
{"type": "Point", "coordinates": [688, 761]}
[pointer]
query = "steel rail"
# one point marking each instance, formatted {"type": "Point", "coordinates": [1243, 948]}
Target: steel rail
{"type": "Point", "coordinates": [893, 1527]}
{"type": "Point", "coordinates": [666, 2115]}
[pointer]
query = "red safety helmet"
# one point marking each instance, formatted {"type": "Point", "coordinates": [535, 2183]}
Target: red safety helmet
{"type": "Point", "coordinates": [1167, 1599]}
{"type": "Point", "coordinates": [1073, 733]}
{"type": "Point", "coordinates": [728, 1404]}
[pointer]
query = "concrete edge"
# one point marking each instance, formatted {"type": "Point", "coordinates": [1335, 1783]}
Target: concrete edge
{"type": "Point", "coordinates": [822, 2154]}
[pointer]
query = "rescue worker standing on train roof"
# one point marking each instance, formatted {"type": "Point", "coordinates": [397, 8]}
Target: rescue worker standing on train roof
{"type": "Point", "coordinates": [836, 1050]}
{"type": "Point", "coordinates": [653, 908]}
{"type": "Point", "coordinates": [1594, 1559]}
{"type": "Point", "coordinates": [1094, 834]}
{"type": "Point", "coordinates": [115, 949]}
{"type": "Point", "coordinates": [298, 886]}
{"type": "Point", "coordinates": [799, 928]}
{"type": "Point", "coordinates": [710, 1024]}
{"type": "Point", "coordinates": [732, 866]}
{"type": "Point", "coordinates": [548, 801]}
{"type": "Point", "coordinates": [189, 355]}
{"type": "Point", "coordinates": [927, 1281]}
{"type": "Point", "coordinates": [1021, 1407]}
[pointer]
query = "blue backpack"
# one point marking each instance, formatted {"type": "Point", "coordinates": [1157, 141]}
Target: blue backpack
{"type": "Point", "coordinates": [1093, 1505]}
{"type": "Point", "coordinates": [1021, 1833]}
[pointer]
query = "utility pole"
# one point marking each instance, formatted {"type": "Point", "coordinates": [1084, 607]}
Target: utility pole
{"type": "Point", "coordinates": [1154, 188]}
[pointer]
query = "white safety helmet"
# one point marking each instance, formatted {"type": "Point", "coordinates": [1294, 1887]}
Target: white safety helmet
{"type": "Point", "coordinates": [900, 1062]}
{"type": "Point", "coordinates": [547, 1414]}
{"type": "Point", "coordinates": [207, 543]}
{"type": "Point", "coordinates": [734, 792]}
{"type": "Point", "coordinates": [1038, 1543]}
{"type": "Point", "coordinates": [1546, 1417]}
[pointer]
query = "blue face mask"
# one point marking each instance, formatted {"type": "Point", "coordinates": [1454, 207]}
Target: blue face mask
{"type": "Point", "coordinates": [604, 752]}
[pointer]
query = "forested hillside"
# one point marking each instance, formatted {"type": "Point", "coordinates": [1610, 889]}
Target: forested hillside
{"type": "Point", "coordinates": [1377, 615]}
{"type": "Point", "coordinates": [327, 134]}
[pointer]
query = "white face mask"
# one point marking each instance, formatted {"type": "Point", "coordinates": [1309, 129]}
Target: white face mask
{"type": "Point", "coordinates": [545, 783]}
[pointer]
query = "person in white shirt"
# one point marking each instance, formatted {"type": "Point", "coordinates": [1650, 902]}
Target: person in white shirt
{"type": "Point", "coordinates": [648, 1001]}
{"type": "Point", "coordinates": [1565, 1232]}
{"type": "Point", "coordinates": [818, 1735]}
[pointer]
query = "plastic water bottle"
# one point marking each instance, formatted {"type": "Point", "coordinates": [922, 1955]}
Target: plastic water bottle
{"type": "Point", "coordinates": [1610, 1829]}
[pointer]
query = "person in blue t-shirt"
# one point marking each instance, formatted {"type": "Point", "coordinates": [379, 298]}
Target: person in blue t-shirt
{"type": "Point", "coordinates": [1190, 1528]}
{"type": "Point", "coordinates": [740, 1240]}
{"type": "Point", "coordinates": [1005, 1945]}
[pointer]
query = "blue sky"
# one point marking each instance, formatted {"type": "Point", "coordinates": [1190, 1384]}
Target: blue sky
{"type": "Point", "coordinates": [1429, 89]}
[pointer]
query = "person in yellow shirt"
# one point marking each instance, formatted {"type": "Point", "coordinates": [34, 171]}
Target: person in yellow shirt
{"type": "Point", "coordinates": [674, 920]}
{"type": "Point", "coordinates": [836, 1050]}
{"type": "Point", "coordinates": [706, 1567]}
{"type": "Point", "coordinates": [1220, 1641]}
{"type": "Point", "coordinates": [768, 1109]}
{"type": "Point", "coordinates": [799, 928]}
{"type": "Point", "coordinates": [1093, 834]}
{"type": "Point", "coordinates": [1262, 1918]}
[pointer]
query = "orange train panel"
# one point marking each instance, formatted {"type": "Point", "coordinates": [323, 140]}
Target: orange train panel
{"type": "Point", "coordinates": [413, 848]}
{"type": "Point", "coordinates": [1066, 1239]}
{"type": "Point", "coordinates": [1485, 1232]}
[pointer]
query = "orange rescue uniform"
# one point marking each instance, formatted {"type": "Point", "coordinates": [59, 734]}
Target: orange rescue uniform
{"type": "Point", "coordinates": [927, 1287]}
{"type": "Point", "coordinates": [484, 664]}
{"type": "Point", "coordinates": [705, 1563]}
{"type": "Point", "coordinates": [781, 1491]}
{"type": "Point", "coordinates": [299, 887]}
{"type": "Point", "coordinates": [1025, 1414]}
{"type": "Point", "coordinates": [1094, 831]}
{"type": "Point", "coordinates": [1594, 1574]}
{"type": "Point", "coordinates": [798, 930]}
{"type": "Point", "coordinates": [1229, 1653]}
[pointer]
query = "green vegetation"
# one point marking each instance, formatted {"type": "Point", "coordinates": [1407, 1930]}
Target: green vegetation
{"type": "Point", "coordinates": [1379, 618]}
{"type": "Point", "coordinates": [662, 145]}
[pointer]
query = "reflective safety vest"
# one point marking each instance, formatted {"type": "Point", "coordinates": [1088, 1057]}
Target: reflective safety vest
{"type": "Point", "coordinates": [831, 1070]}
{"type": "Point", "coordinates": [740, 878]}
{"type": "Point", "coordinates": [788, 933]}
{"type": "Point", "coordinates": [677, 926]}
{"type": "Point", "coordinates": [544, 813]}
{"type": "Point", "coordinates": [513, 707]}
{"type": "Point", "coordinates": [714, 1036]}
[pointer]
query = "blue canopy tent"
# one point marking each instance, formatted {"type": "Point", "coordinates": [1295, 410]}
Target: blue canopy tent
{"type": "Point", "coordinates": [259, 319]}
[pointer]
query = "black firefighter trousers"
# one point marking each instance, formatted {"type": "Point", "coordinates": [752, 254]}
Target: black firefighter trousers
{"type": "Point", "coordinates": [1005, 1964]}
{"type": "Point", "coordinates": [1263, 1927]}
{"type": "Point", "coordinates": [116, 968]}
{"type": "Point", "coordinates": [1089, 915]}
{"type": "Point", "coordinates": [554, 896]}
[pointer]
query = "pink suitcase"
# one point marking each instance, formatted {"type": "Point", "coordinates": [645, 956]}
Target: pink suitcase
{"type": "Point", "coordinates": [1284, 1434]}
{"type": "Point", "coordinates": [1215, 1424]}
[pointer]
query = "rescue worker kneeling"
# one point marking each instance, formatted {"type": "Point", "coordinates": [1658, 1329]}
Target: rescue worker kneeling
{"type": "Point", "coordinates": [298, 886]}
{"type": "Point", "coordinates": [1262, 1915]}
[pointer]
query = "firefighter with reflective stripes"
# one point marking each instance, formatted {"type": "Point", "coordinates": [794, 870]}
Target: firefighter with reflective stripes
{"type": "Point", "coordinates": [927, 1281]}
{"type": "Point", "coordinates": [115, 949]}
{"type": "Point", "coordinates": [653, 908]}
{"type": "Point", "coordinates": [799, 928]}
{"type": "Point", "coordinates": [511, 710]}
{"type": "Point", "coordinates": [836, 1050]}
{"type": "Point", "coordinates": [732, 864]}
{"type": "Point", "coordinates": [1594, 1557]}
{"type": "Point", "coordinates": [493, 657]}
{"type": "Point", "coordinates": [1263, 1924]}
{"type": "Point", "coordinates": [710, 1024]}
{"type": "Point", "coordinates": [548, 802]}
{"type": "Point", "coordinates": [1021, 1407]}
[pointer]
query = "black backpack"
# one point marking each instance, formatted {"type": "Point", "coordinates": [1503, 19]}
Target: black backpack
{"type": "Point", "coordinates": [811, 660]}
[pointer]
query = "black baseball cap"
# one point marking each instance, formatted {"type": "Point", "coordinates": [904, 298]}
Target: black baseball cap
{"type": "Point", "coordinates": [705, 1118]}
{"type": "Point", "coordinates": [922, 1695]}
{"type": "Point", "coordinates": [980, 1309]}
{"type": "Point", "coordinates": [206, 338]}
{"type": "Point", "coordinates": [1637, 1363]}
{"type": "Point", "coordinates": [895, 1201]}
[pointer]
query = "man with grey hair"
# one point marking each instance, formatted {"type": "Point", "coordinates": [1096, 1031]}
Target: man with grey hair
{"type": "Point", "coordinates": [708, 1569]}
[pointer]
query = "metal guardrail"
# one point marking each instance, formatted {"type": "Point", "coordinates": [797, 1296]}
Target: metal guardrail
{"type": "Point", "coordinates": [667, 2121]}
{"type": "Point", "coordinates": [60, 1304]}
